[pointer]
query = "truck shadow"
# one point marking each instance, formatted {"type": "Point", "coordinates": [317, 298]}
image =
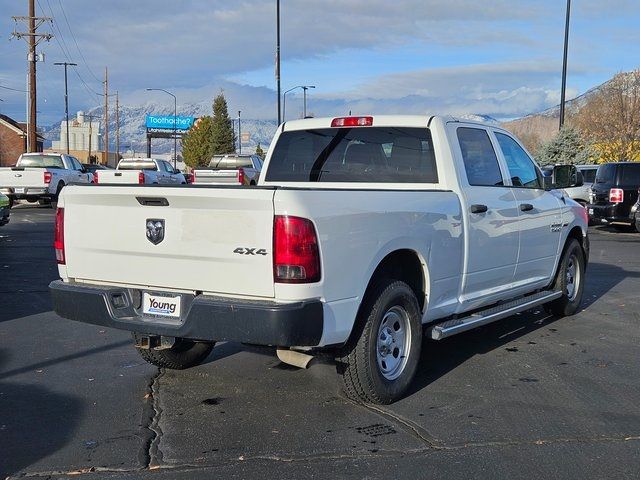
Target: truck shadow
{"type": "Point", "coordinates": [34, 422]}
{"type": "Point", "coordinates": [439, 358]}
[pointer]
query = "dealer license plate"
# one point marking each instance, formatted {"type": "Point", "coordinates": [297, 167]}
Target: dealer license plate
{"type": "Point", "coordinates": [160, 305]}
{"type": "Point", "coordinates": [18, 190]}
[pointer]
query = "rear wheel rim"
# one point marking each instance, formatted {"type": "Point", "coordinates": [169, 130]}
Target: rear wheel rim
{"type": "Point", "coordinates": [573, 277]}
{"type": "Point", "coordinates": [393, 342]}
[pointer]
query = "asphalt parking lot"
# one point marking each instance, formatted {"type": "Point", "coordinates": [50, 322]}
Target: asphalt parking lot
{"type": "Point", "coordinates": [529, 397]}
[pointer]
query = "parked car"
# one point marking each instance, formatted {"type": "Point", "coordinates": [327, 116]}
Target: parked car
{"type": "Point", "coordinates": [41, 176]}
{"type": "Point", "coordinates": [363, 231]}
{"type": "Point", "coordinates": [230, 169]}
{"type": "Point", "coordinates": [141, 171]}
{"type": "Point", "coordinates": [5, 209]}
{"type": "Point", "coordinates": [635, 213]}
{"type": "Point", "coordinates": [94, 167]}
{"type": "Point", "coordinates": [613, 193]}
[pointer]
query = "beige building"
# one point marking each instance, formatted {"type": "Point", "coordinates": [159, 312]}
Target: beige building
{"type": "Point", "coordinates": [83, 136]}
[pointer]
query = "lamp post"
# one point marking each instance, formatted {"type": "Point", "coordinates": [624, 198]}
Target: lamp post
{"type": "Point", "coordinates": [66, 96]}
{"type": "Point", "coordinates": [278, 58]}
{"type": "Point", "coordinates": [175, 121]}
{"type": "Point", "coordinates": [284, 101]}
{"type": "Point", "coordinates": [239, 135]}
{"type": "Point", "coordinates": [564, 64]}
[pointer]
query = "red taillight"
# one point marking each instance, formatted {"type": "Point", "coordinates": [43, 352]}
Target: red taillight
{"type": "Point", "coordinates": [58, 237]}
{"type": "Point", "coordinates": [193, 177]}
{"type": "Point", "coordinates": [47, 177]}
{"type": "Point", "coordinates": [296, 258]}
{"type": "Point", "coordinates": [140, 178]}
{"type": "Point", "coordinates": [616, 195]}
{"type": "Point", "coordinates": [241, 176]}
{"type": "Point", "coordinates": [95, 177]}
{"type": "Point", "coordinates": [352, 122]}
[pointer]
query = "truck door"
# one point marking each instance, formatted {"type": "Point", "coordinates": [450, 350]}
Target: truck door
{"type": "Point", "coordinates": [491, 217]}
{"type": "Point", "coordinates": [539, 213]}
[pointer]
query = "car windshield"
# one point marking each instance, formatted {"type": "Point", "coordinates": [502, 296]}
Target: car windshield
{"type": "Point", "coordinates": [142, 165]}
{"type": "Point", "coordinates": [41, 161]}
{"type": "Point", "coordinates": [371, 154]}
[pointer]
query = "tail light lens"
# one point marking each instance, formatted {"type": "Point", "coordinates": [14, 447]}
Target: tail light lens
{"type": "Point", "coordinates": [352, 122]}
{"type": "Point", "coordinates": [241, 176]}
{"type": "Point", "coordinates": [296, 257]}
{"type": "Point", "coordinates": [140, 178]}
{"type": "Point", "coordinates": [193, 177]}
{"type": "Point", "coordinates": [95, 177]}
{"type": "Point", "coordinates": [47, 177]}
{"type": "Point", "coordinates": [616, 195]}
{"type": "Point", "coordinates": [58, 237]}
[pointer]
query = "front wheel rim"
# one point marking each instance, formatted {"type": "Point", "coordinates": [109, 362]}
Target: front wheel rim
{"type": "Point", "coordinates": [393, 342]}
{"type": "Point", "coordinates": [573, 277]}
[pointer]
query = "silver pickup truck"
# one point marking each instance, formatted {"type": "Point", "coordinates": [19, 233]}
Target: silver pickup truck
{"type": "Point", "coordinates": [230, 169]}
{"type": "Point", "coordinates": [139, 171]}
{"type": "Point", "coordinates": [41, 177]}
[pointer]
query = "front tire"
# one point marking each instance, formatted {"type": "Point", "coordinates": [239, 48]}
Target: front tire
{"type": "Point", "coordinates": [569, 280]}
{"type": "Point", "coordinates": [183, 354]}
{"type": "Point", "coordinates": [379, 365]}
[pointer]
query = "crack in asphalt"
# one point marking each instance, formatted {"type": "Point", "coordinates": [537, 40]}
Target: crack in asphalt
{"type": "Point", "coordinates": [319, 457]}
{"type": "Point", "coordinates": [150, 456]}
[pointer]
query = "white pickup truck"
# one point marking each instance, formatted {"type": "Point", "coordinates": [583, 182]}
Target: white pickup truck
{"type": "Point", "coordinates": [141, 171]}
{"type": "Point", "coordinates": [362, 234]}
{"type": "Point", "coordinates": [41, 176]}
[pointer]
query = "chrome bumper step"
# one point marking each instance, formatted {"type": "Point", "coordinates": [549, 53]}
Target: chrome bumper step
{"type": "Point", "coordinates": [484, 317]}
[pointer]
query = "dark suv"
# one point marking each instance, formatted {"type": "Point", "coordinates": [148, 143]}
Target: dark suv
{"type": "Point", "coordinates": [613, 193]}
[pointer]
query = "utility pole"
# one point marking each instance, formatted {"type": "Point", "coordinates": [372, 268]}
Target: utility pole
{"type": "Point", "coordinates": [90, 117]}
{"type": "Point", "coordinates": [33, 39]}
{"type": "Point", "coordinates": [278, 56]}
{"type": "Point", "coordinates": [239, 135]}
{"type": "Point", "coordinates": [66, 97]}
{"type": "Point", "coordinates": [106, 116]}
{"type": "Point", "coordinates": [117, 127]}
{"type": "Point", "coordinates": [564, 64]}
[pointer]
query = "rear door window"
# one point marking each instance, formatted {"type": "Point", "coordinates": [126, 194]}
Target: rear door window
{"type": "Point", "coordinates": [606, 174]}
{"type": "Point", "coordinates": [630, 175]}
{"type": "Point", "coordinates": [480, 160]}
{"type": "Point", "coordinates": [589, 174]}
{"type": "Point", "coordinates": [359, 154]}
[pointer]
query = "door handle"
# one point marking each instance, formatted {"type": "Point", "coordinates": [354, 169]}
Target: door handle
{"type": "Point", "coordinates": [478, 208]}
{"type": "Point", "coordinates": [525, 207]}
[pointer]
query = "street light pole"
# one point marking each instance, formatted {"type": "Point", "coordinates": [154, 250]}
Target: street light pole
{"type": "Point", "coordinates": [66, 96]}
{"type": "Point", "coordinates": [564, 64]}
{"type": "Point", "coordinates": [284, 104]}
{"type": "Point", "coordinates": [239, 135]}
{"type": "Point", "coordinates": [175, 123]}
{"type": "Point", "coordinates": [278, 58]}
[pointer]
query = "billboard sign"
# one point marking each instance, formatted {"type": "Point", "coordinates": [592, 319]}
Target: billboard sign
{"type": "Point", "coordinates": [160, 123]}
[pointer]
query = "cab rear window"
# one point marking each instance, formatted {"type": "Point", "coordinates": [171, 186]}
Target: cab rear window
{"type": "Point", "coordinates": [41, 161]}
{"type": "Point", "coordinates": [138, 166]}
{"type": "Point", "coordinates": [371, 155]}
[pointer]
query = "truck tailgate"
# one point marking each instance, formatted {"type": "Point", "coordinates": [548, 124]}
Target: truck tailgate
{"type": "Point", "coordinates": [216, 177]}
{"type": "Point", "coordinates": [22, 178]}
{"type": "Point", "coordinates": [206, 234]}
{"type": "Point", "coordinates": [129, 177]}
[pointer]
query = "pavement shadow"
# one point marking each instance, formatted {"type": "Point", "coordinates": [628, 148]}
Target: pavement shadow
{"type": "Point", "coordinates": [601, 278]}
{"type": "Point", "coordinates": [34, 423]}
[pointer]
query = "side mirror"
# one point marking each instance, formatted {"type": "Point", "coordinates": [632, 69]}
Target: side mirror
{"type": "Point", "coordinates": [566, 176]}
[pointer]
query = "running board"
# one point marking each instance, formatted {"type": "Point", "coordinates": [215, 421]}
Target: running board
{"type": "Point", "coordinates": [459, 325]}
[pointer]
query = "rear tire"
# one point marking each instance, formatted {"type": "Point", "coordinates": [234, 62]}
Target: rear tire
{"type": "Point", "coordinates": [569, 280]}
{"type": "Point", "coordinates": [379, 365]}
{"type": "Point", "coordinates": [184, 354]}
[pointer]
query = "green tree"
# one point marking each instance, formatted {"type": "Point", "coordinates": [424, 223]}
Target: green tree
{"type": "Point", "coordinates": [197, 143]}
{"type": "Point", "coordinates": [260, 151]}
{"type": "Point", "coordinates": [224, 139]}
{"type": "Point", "coordinates": [567, 147]}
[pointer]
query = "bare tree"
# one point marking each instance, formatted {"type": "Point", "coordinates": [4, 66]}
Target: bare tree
{"type": "Point", "coordinates": [611, 118]}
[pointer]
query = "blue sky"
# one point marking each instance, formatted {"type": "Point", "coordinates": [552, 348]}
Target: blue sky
{"type": "Point", "coordinates": [499, 57]}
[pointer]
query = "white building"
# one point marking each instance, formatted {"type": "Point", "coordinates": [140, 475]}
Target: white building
{"type": "Point", "coordinates": [83, 135]}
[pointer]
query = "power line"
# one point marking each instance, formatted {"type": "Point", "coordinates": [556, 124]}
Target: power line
{"type": "Point", "coordinates": [76, 42]}
{"type": "Point", "coordinates": [13, 89]}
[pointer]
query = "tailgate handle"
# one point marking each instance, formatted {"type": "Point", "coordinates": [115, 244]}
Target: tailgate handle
{"type": "Point", "coordinates": [118, 174]}
{"type": "Point", "coordinates": [153, 201]}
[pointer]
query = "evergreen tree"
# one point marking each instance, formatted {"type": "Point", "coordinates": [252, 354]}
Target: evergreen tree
{"type": "Point", "coordinates": [224, 139]}
{"type": "Point", "coordinates": [260, 152]}
{"type": "Point", "coordinates": [197, 143]}
{"type": "Point", "coordinates": [567, 147]}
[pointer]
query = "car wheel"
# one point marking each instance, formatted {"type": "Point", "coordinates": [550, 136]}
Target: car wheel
{"type": "Point", "coordinates": [569, 280]}
{"type": "Point", "coordinates": [183, 354]}
{"type": "Point", "coordinates": [380, 364]}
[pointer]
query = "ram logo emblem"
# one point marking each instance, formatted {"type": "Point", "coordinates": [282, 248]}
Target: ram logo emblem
{"type": "Point", "coordinates": [155, 230]}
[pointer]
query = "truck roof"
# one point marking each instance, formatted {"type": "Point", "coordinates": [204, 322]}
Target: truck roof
{"type": "Point", "coordinates": [378, 120]}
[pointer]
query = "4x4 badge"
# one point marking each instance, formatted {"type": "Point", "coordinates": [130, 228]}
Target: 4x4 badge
{"type": "Point", "coordinates": [155, 230]}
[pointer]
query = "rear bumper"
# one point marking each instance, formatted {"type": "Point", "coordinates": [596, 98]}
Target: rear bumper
{"type": "Point", "coordinates": [203, 317]}
{"type": "Point", "coordinates": [26, 192]}
{"type": "Point", "coordinates": [609, 213]}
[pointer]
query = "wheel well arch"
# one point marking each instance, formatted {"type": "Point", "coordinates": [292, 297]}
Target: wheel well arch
{"type": "Point", "coordinates": [405, 265]}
